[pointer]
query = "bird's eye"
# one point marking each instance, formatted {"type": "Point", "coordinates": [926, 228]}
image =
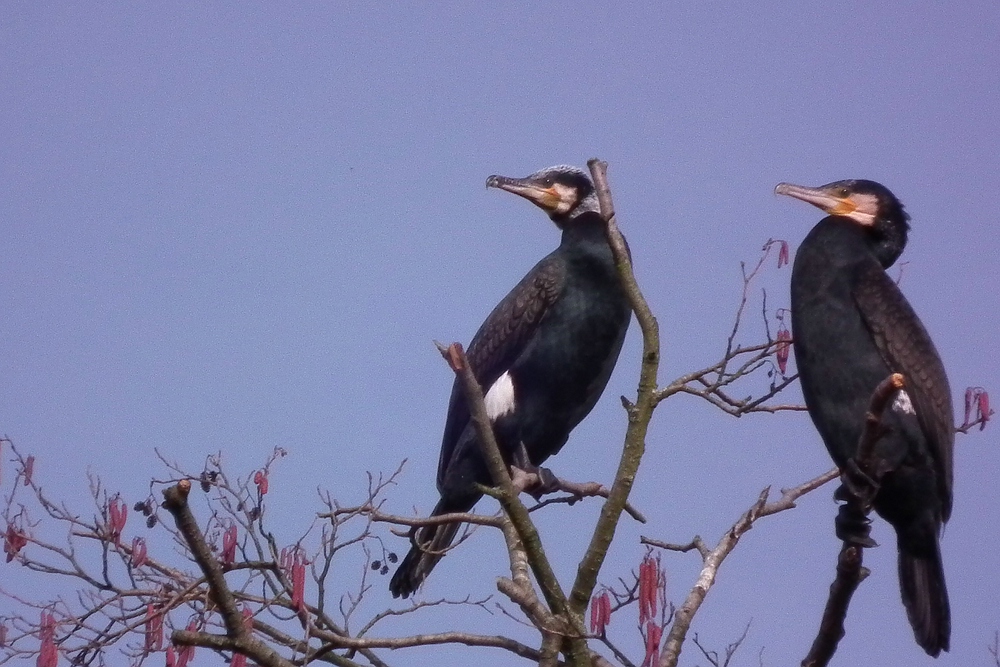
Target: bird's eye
{"type": "Point", "coordinates": [548, 182]}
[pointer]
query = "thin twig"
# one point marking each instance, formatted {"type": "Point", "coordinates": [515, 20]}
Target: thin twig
{"type": "Point", "coordinates": [712, 558]}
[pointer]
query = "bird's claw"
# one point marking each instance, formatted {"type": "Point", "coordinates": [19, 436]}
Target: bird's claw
{"type": "Point", "coordinates": [535, 480]}
{"type": "Point", "coordinates": [547, 481]}
{"type": "Point", "coordinates": [853, 526]}
{"type": "Point", "coordinates": [857, 485]}
{"type": "Point", "coordinates": [857, 490]}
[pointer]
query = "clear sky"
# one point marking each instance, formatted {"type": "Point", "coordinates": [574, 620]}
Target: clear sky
{"type": "Point", "coordinates": [230, 226]}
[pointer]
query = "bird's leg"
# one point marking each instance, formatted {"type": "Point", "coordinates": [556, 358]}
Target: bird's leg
{"type": "Point", "coordinates": [857, 485]}
{"type": "Point", "coordinates": [544, 481]}
{"type": "Point", "coordinates": [858, 490]}
{"type": "Point", "coordinates": [853, 526]}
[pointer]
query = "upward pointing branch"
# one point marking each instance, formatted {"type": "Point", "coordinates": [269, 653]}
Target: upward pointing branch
{"type": "Point", "coordinates": [639, 414]}
{"type": "Point", "coordinates": [508, 496]}
{"type": "Point", "coordinates": [237, 638]}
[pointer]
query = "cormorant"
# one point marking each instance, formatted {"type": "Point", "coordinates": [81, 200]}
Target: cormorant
{"type": "Point", "coordinates": [543, 357]}
{"type": "Point", "coordinates": [851, 328]}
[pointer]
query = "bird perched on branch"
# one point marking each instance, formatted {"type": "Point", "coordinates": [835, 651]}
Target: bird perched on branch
{"type": "Point", "coordinates": [542, 357]}
{"type": "Point", "coordinates": [851, 328]}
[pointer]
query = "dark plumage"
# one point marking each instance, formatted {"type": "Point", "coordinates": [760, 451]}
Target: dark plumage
{"type": "Point", "coordinates": [852, 327]}
{"type": "Point", "coordinates": [543, 357]}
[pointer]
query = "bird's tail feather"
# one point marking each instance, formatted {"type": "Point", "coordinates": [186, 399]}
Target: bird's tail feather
{"type": "Point", "coordinates": [921, 583]}
{"type": "Point", "coordinates": [431, 543]}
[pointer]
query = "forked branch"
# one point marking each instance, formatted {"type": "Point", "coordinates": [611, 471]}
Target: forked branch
{"type": "Point", "coordinates": [713, 558]}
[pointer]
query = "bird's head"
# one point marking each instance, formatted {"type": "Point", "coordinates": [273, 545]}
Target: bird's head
{"type": "Point", "coordinates": [563, 192]}
{"type": "Point", "coordinates": [866, 203]}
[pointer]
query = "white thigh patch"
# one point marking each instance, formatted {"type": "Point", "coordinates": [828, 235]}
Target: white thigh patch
{"type": "Point", "coordinates": [500, 398]}
{"type": "Point", "coordinates": [903, 404]}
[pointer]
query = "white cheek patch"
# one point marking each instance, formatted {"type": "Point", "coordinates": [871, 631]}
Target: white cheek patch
{"type": "Point", "coordinates": [500, 398]}
{"type": "Point", "coordinates": [567, 198]}
{"type": "Point", "coordinates": [866, 219]}
{"type": "Point", "coordinates": [865, 209]}
{"type": "Point", "coordinates": [903, 404]}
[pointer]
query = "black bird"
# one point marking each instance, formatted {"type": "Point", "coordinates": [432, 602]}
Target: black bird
{"type": "Point", "coordinates": [852, 327]}
{"type": "Point", "coordinates": [543, 357]}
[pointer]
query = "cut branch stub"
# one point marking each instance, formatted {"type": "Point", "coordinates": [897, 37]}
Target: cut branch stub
{"type": "Point", "coordinates": [453, 354]}
{"type": "Point", "coordinates": [884, 392]}
{"type": "Point", "coordinates": [456, 356]}
{"type": "Point", "coordinates": [176, 496]}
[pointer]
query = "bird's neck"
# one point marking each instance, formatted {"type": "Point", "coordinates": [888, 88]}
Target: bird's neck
{"type": "Point", "coordinates": [585, 243]}
{"type": "Point", "coordinates": [887, 239]}
{"type": "Point", "coordinates": [587, 227]}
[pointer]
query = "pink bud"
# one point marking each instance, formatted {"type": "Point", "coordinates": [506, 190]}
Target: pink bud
{"type": "Point", "coordinates": [783, 347]}
{"type": "Point", "coordinates": [653, 634]}
{"type": "Point", "coordinates": [228, 555]}
{"type": "Point", "coordinates": [648, 585]}
{"type": "Point", "coordinates": [186, 653]}
{"type": "Point", "coordinates": [983, 409]}
{"type": "Point", "coordinates": [605, 603]}
{"type": "Point", "coordinates": [117, 515]}
{"type": "Point", "coordinates": [293, 562]}
{"type": "Point", "coordinates": [298, 585]}
{"type": "Point", "coordinates": [239, 660]}
{"type": "Point", "coordinates": [154, 629]}
{"type": "Point", "coordinates": [171, 657]}
{"type": "Point", "coordinates": [138, 552]}
{"type": "Point", "coordinates": [600, 612]}
{"type": "Point", "coordinates": [260, 479]}
{"type": "Point", "coordinates": [29, 468]}
{"type": "Point", "coordinates": [3, 635]}
{"type": "Point", "coordinates": [782, 253]}
{"type": "Point", "coordinates": [48, 654]}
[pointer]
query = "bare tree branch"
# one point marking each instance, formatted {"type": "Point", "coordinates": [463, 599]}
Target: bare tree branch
{"type": "Point", "coordinates": [730, 650]}
{"type": "Point", "coordinates": [237, 637]}
{"type": "Point", "coordinates": [712, 558]}
{"type": "Point", "coordinates": [639, 414]}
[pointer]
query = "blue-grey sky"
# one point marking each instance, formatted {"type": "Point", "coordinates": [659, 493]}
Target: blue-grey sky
{"type": "Point", "coordinates": [231, 226]}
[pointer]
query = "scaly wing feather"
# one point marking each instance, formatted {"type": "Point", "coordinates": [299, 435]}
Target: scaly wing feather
{"type": "Point", "coordinates": [906, 348]}
{"type": "Point", "coordinates": [501, 339]}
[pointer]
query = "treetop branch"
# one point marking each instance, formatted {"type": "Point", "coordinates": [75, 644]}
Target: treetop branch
{"type": "Point", "coordinates": [639, 414]}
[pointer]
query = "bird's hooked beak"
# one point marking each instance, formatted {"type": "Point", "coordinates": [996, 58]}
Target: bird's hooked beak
{"type": "Point", "coordinates": [834, 199]}
{"type": "Point", "coordinates": [548, 196]}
